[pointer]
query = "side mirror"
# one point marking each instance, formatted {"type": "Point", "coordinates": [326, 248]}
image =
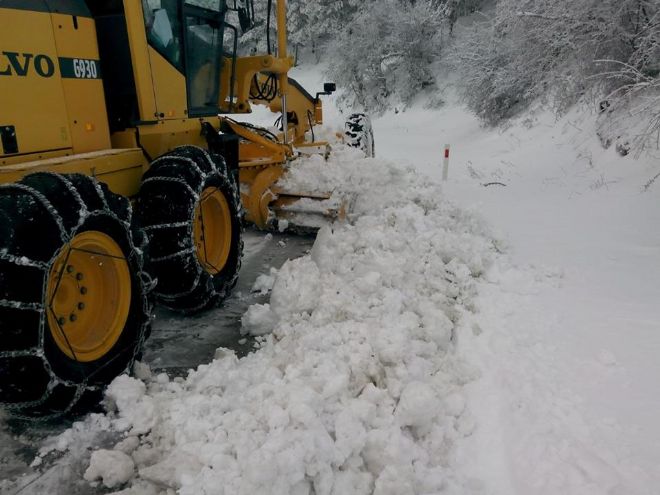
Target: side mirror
{"type": "Point", "coordinates": [328, 89]}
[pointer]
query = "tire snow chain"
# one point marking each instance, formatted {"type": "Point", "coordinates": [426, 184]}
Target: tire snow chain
{"type": "Point", "coordinates": [38, 352]}
{"type": "Point", "coordinates": [203, 176]}
{"type": "Point", "coordinates": [357, 127]}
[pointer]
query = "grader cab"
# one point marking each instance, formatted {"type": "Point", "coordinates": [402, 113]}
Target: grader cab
{"type": "Point", "coordinates": [123, 180]}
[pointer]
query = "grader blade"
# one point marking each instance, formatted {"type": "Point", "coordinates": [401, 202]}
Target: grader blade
{"type": "Point", "coordinates": [305, 211]}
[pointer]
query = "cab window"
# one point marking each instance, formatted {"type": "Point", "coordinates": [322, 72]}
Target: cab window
{"type": "Point", "coordinates": [161, 19]}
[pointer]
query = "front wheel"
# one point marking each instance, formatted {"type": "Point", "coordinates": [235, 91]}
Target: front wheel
{"type": "Point", "coordinates": [74, 310]}
{"type": "Point", "coordinates": [189, 207]}
{"type": "Point", "coordinates": [359, 133]}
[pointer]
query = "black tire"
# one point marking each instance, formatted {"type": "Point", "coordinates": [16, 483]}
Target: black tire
{"type": "Point", "coordinates": [38, 217]}
{"type": "Point", "coordinates": [166, 204]}
{"type": "Point", "coordinates": [359, 134]}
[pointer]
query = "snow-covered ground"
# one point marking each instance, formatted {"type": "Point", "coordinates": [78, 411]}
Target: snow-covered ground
{"type": "Point", "coordinates": [569, 395]}
{"type": "Point", "coordinates": [452, 338]}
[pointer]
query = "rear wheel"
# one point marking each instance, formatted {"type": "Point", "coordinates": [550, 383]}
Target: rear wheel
{"type": "Point", "coordinates": [74, 311]}
{"type": "Point", "coordinates": [359, 133]}
{"type": "Point", "coordinates": [189, 207]}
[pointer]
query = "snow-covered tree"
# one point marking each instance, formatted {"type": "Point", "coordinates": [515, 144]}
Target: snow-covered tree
{"type": "Point", "coordinates": [310, 24]}
{"type": "Point", "coordinates": [386, 58]}
{"type": "Point", "coordinates": [318, 21]}
{"type": "Point", "coordinates": [557, 49]}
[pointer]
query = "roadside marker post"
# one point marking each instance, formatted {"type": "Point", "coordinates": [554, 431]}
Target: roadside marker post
{"type": "Point", "coordinates": [445, 164]}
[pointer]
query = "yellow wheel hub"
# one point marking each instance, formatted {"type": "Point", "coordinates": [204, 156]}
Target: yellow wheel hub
{"type": "Point", "coordinates": [89, 296]}
{"type": "Point", "coordinates": [212, 230]}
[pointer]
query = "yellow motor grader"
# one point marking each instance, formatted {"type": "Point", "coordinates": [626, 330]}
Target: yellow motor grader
{"type": "Point", "coordinates": [123, 181]}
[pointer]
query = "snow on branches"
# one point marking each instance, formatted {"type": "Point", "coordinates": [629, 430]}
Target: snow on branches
{"type": "Point", "coordinates": [563, 51]}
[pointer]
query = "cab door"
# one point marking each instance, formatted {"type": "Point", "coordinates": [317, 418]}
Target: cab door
{"type": "Point", "coordinates": [203, 40]}
{"type": "Point", "coordinates": [182, 55]}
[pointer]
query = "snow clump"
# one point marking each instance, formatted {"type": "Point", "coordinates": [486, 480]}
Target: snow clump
{"type": "Point", "coordinates": [264, 282]}
{"type": "Point", "coordinates": [114, 467]}
{"type": "Point", "coordinates": [259, 319]}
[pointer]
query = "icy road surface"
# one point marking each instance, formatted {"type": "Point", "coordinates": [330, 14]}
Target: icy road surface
{"type": "Point", "coordinates": [176, 349]}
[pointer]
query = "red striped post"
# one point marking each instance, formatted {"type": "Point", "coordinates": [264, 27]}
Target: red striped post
{"type": "Point", "coordinates": [445, 164]}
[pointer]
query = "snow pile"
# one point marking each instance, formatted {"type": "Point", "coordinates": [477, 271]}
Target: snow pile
{"type": "Point", "coordinates": [291, 293]}
{"type": "Point", "coordinates": [356, 390]}
{"type": "Point", "coordinates": [114, 467]}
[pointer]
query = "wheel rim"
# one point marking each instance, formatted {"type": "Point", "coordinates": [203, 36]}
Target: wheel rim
{"type": "Point", "coordinates": [212, 230]}
{"type": "Point", "coordinates": [89, 296]}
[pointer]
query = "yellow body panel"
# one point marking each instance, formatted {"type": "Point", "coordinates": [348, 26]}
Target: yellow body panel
{"type": "Point", "coordinates": [246, 69]}
{"type": "Point", "coordinates": [84, 99]}
{"type": "Point", "coordinates": [169, 87]}
{"type": "Point", "coordinates": [34, 104]}
{"type": "Point", "coordinates": [41, 155]}
{"type": "Point", "coordinates": [301, 106]}
{"type": "Point", "coordinates": [120, 169]}
{"type": "Point", "coordinates": [137, 36]}
{"type": "Point", "coordinates": [164, 136]}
